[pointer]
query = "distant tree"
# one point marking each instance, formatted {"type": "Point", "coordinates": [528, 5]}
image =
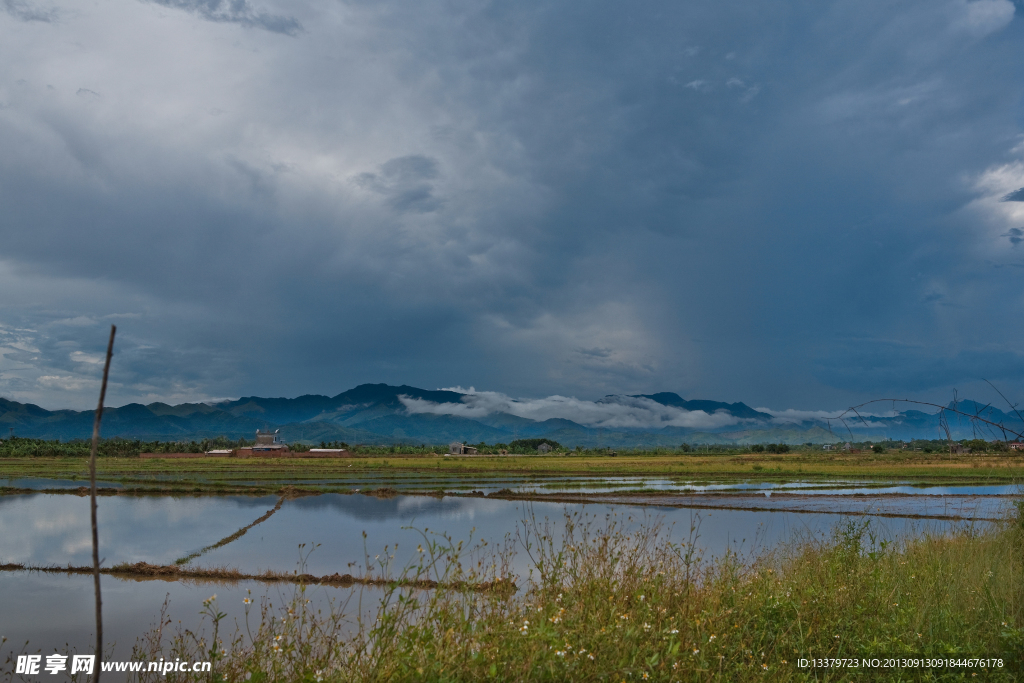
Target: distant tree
{"type": "Point", "coordinates": [878, 448]}
{"type": "Point", "coordinates": [685, 448]}
{"type": "Point", "coordinates": [531, 445]}
{"type": "Point", "coordinates": [757, 448]}
{"type": "Point", "coordinates": [978, 445]}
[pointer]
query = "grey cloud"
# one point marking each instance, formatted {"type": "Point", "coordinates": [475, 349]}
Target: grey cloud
{"type": "Point", "coordinates": [1015, 235]}
{"type": "Point", "coordinates": [403, 181]}
{"type": "Point", "coordinates": [884, 368]}
{"type": "Point", "coordinates": [523, 195]}
{"type": "Point", "coordinates": [596, 353]}
{"type": "Point", "coordinates": [237, 12]}
{"type": "Point", "coordinates": [26, 11]}
{"type": "Point", "coordinates": [1015, 196]}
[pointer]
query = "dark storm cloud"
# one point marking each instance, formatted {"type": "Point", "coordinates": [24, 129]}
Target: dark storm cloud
{"type": "Point", "coordinates": [887, 368]}
{"type": "Point", "coordinates": [1015, 235]}
{"type": "Point", "coordinates": [237, 12]}
{"type": "Point", "coordinates": [405, 183]}
{"type": "Point", "coordinates": [729, 200]}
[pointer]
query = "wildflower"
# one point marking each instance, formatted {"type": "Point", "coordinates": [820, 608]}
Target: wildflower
{"type": "Point", "coordinates": [210, 599]}
{"type": "Point", "coordinates": [695, 651]}
{"type": "Point", "coordinates": [647, 627]}
{"type": "Point", "coordinates": [590, 657]}
{"type": "Point", "coordinates": [641, 598]}
{"type": "Point", "coordinates": [419, 549]}
{"type": "Point", "coordinates": [278, 638]}
{"type": "Point", "coordinates": [764, 667]}
{"type": "Point", "coordinates": [247, 601]}
{"type": "Point", "coordinates": [712, 638]}
{"type": "Point", "coordinates": [560, 653]}
{"type": "Point", "coordinates": [674, 631]}
{"type": "Point", "coordinates": [675, 665]}
{"type": "Point", "coordinates": [319, 676]}
{"type": "Point", "coordinates": [644, 676]}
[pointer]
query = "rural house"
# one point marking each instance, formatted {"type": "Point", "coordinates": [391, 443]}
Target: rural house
{"type": "Point", "coordinates": [268, 441]}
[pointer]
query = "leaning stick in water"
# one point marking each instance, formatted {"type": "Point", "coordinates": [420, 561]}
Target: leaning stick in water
{"type": "Point", "coordinates": [92, 504]}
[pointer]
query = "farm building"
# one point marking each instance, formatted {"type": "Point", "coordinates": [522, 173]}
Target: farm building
{"type": "Point", "coordinates": [269, 441]}
{"type": "Point", "coordinates": [456, 448]}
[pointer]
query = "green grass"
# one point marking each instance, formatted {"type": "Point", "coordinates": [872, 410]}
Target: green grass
{"type": "Point", "coordinates": [610, 604]}
{"type": "Point", "coordinates": [205, 474]}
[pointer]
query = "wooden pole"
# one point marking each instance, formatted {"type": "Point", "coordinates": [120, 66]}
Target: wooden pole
{"type": "Point", "coordinates": [92, 501]}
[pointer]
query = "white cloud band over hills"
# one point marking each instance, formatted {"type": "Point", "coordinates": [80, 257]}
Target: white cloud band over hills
{"type": "Point", "coordinates": [623, 412]}
{"type": "Point", "coordinates": [611, 412]}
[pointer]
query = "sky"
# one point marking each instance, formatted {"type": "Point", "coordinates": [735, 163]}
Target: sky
{"type": "Point", "coordinates": [799, 205]}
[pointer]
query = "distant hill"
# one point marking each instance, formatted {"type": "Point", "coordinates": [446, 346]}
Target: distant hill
{"type": "Point", "coordinates": [376, 414]}
{"type": "Point", "coordinates": [667, 398]}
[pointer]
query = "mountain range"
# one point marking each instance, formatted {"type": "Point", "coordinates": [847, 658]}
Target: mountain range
{"type": "Point", "coordinates": [384, 414]}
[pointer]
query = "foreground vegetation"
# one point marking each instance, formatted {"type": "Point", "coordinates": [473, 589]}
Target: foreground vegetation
{"type": "Point", "coordinates": [609, 603]}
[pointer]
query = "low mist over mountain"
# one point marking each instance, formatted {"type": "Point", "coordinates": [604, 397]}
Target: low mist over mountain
{"type": "Point", "coordinates": [383, 414]}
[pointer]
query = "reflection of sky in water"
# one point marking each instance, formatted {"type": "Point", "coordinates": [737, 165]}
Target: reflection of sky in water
{"type": "Point", "coordinates": [593, 484]}
{"type": "Point", "coordinates": [45, 529]}
{"type": "Point", "coordinates": [54, 529]}
{"type": "Point", "coordinates": [48, 529]}
{"type": "Point", "coordinates": [51, 610]}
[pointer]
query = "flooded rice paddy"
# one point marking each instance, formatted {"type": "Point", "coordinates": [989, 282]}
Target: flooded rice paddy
{"type": "Point", "coordinates": [353, 531]}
